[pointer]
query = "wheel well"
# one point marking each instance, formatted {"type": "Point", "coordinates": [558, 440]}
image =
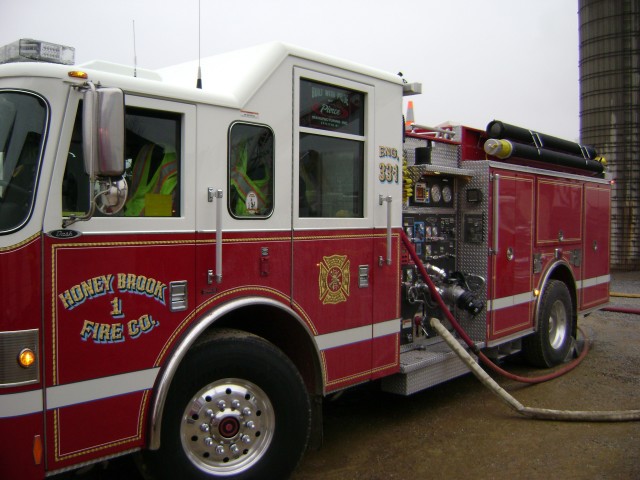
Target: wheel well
{"type": "Point", "coordinates": [268, 319]}
{"type": "Point", "coordinates": [563, 273]}
{"type": "Point", "coordinates": [285, 332]}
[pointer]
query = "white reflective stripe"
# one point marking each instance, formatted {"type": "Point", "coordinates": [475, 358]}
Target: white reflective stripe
{"type": "Point", "coordinates": [358, 334]}
{"type": "Point", "coordinates": [386, 328]}
{"type": "Point", "coordinates": [511, 301]}
{"type": "Point", "coordinates": [99, 388]}
{"type": "Point", "coordinates": [343, 337]}
{"type": "Point", "coordinates": [16, 404]}
{"type": "Point", "coordinates": [592, 282]}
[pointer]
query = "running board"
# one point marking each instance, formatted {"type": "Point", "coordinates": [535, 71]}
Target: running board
{"type": "Point", "coordinates": [424, 368]}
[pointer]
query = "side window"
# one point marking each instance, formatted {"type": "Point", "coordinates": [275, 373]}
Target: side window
{"type": "Point", "coordinates": [331, 151]}
{"type": "Point", "coordinates": [251, 171]}
{"type": "Point", "coordinates": [152, 161]}
{"type": "Point", "coordinates": [75, 183]}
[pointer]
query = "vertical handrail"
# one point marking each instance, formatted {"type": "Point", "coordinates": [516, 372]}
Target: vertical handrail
{"type": "Point", "coordinates": [218, 196]}
{"type": "Point", "coordinates": [381, 200]}
{"type": "Point", "coordinates": [496, 212]}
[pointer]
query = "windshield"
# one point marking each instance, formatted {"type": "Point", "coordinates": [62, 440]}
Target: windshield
{"type": "Point", "coordinates": [23, 119]}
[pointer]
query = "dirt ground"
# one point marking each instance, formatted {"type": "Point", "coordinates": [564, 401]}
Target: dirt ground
{"type": "Point", "coordinates": [461, 430]}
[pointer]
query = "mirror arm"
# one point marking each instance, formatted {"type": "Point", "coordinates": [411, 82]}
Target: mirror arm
{"type": "Point", "coordinates": [73, 219]}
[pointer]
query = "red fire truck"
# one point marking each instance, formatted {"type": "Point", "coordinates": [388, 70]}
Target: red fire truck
{"type": "Point", "coordinates": [187, 272]}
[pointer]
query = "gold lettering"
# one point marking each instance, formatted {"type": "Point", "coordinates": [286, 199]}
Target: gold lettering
{"type": "Point", "coordinates": [67, 301]}
{"type": "Point", "coordinates": [88, 330]}
{"type": "Point", "coordinates": [87, 288]}
{"type": "Point", "coordinates": [131, 282]}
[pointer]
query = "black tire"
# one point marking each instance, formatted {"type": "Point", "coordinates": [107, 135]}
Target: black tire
{"type": "Point", "coordinates": [551, 343]}
{"type": "Point", "coordinates": [237, 409]}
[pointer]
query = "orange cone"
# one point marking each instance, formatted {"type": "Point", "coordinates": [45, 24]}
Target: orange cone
{"type": "Point", "coordinates": [409, 119]}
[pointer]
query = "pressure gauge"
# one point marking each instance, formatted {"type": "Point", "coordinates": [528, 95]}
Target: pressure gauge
{"type": "Point", "coordinates": [435, 193]}
{"type": "Point", "coordinates": [446, 193]}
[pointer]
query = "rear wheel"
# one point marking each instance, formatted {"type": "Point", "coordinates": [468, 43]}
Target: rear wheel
{"type": "Point", "coordinates": [237, 409]}
{"type": "Point", "coordinates": [550, 344]}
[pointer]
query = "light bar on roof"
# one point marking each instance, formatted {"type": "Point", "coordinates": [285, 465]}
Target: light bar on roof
{"type": "Point", "coordinates": [29, 50]}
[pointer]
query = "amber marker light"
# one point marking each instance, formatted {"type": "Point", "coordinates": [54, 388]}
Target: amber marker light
{"type": "Point", "coordinates": [536, 292]}
{"type": "Point", "coordinates": [78, 74]}
{"type": "Point", "coordinates": [37, 449]}
{"type": "Point", "coordinates": [26, 357]}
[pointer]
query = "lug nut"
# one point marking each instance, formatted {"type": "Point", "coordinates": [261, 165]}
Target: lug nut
{"type": "Point", "coordinates": [220, 450]}
{"type": "Point", "coordinates": [246, 439]}
{"type": "Point", "coordinates": [221, 404]}
{"type": "Point", "coordinates": [208, 441]}
{"type": "Point", "coordinates": [250, 424]}
{"type": "Point", "coordinates": [234, 449]}
{"type": "Point", "coordinates": [204, 427]}
{"type": "Point", "coordinates": [235, 404]}
{"type": "Point", "coordinates": [246, 411]}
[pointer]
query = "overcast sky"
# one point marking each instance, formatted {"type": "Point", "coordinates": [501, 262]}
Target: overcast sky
{"type": "Point", "coordinates": [511, 60]}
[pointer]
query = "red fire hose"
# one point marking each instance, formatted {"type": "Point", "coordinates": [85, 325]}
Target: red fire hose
{"type": "Point", "coordinates": [472, 346]}
{"type": "Point", "coordinates": [618, 308]}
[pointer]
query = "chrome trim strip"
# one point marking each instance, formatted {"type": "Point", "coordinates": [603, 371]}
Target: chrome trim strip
{"type": "Point", "coordinates": [549, 173]}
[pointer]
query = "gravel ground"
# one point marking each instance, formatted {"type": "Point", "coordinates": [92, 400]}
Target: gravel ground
{"type": "Point", "coordinates": [461, 430]}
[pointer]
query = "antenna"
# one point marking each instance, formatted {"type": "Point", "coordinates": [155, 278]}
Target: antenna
{"type": "Point", "coordinates": [199, 81]}
{"type": "Point", "coordinates": [135, 55]}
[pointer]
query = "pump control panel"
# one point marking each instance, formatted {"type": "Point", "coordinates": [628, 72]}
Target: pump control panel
{"type": "Point", "coordinates": [433, 235]}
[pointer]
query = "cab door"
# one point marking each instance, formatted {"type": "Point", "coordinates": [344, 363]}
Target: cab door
{"type": "Point", "coordinates": [335, 242]}
{"type": "Point", "coordinates": [119, 286]}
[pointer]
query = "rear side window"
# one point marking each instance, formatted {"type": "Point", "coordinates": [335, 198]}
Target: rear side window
{"type": "Point", "coordinates": [332, 141]}
{"type": "Point", "coordinates": [251, 171]}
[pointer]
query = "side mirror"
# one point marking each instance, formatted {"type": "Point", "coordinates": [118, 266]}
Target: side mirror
{"type": "Point", "coordinates": [103, 132]}
{"type": "Point", "coordinates": [103, 150]}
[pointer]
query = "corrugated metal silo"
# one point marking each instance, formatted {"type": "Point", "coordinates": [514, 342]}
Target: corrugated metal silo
{"type": "Point", "coordinates": [610, 111]}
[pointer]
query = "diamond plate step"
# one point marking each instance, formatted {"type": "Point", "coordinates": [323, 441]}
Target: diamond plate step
{"type": "Point", "coordinates": [424, 368]}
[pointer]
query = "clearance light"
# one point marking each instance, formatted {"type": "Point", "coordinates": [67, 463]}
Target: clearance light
{"type": "Point", "coordinates": [536, 292]}
{"type": "Point", "coordinates": [78, 74]}
{"type": "Point", "coordinates": [26, 358]}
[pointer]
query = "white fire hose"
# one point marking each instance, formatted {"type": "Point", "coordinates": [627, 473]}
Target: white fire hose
{"type": "Point", "coordinates": [537, 413]}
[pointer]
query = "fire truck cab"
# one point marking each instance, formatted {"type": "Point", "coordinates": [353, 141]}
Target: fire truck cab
{"type": "Point", "coordinates": [187, 272]}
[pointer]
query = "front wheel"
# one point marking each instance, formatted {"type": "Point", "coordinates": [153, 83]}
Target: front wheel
{"type": "Point", "coordinates": [237, 409]}
{"type": "Point", "coordinates": [550, 344]}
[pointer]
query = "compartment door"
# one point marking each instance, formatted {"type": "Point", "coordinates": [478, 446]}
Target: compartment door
{"type": "Point", "coordinates": [510, 289]}
{"type": "Point", "coordinates": [597, 225]}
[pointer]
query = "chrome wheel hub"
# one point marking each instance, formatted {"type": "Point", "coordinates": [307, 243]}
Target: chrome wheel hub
{"type": "Point", "coordinates": [558, 324]}
{"type": "Point", "coordinates": [227, 426]}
